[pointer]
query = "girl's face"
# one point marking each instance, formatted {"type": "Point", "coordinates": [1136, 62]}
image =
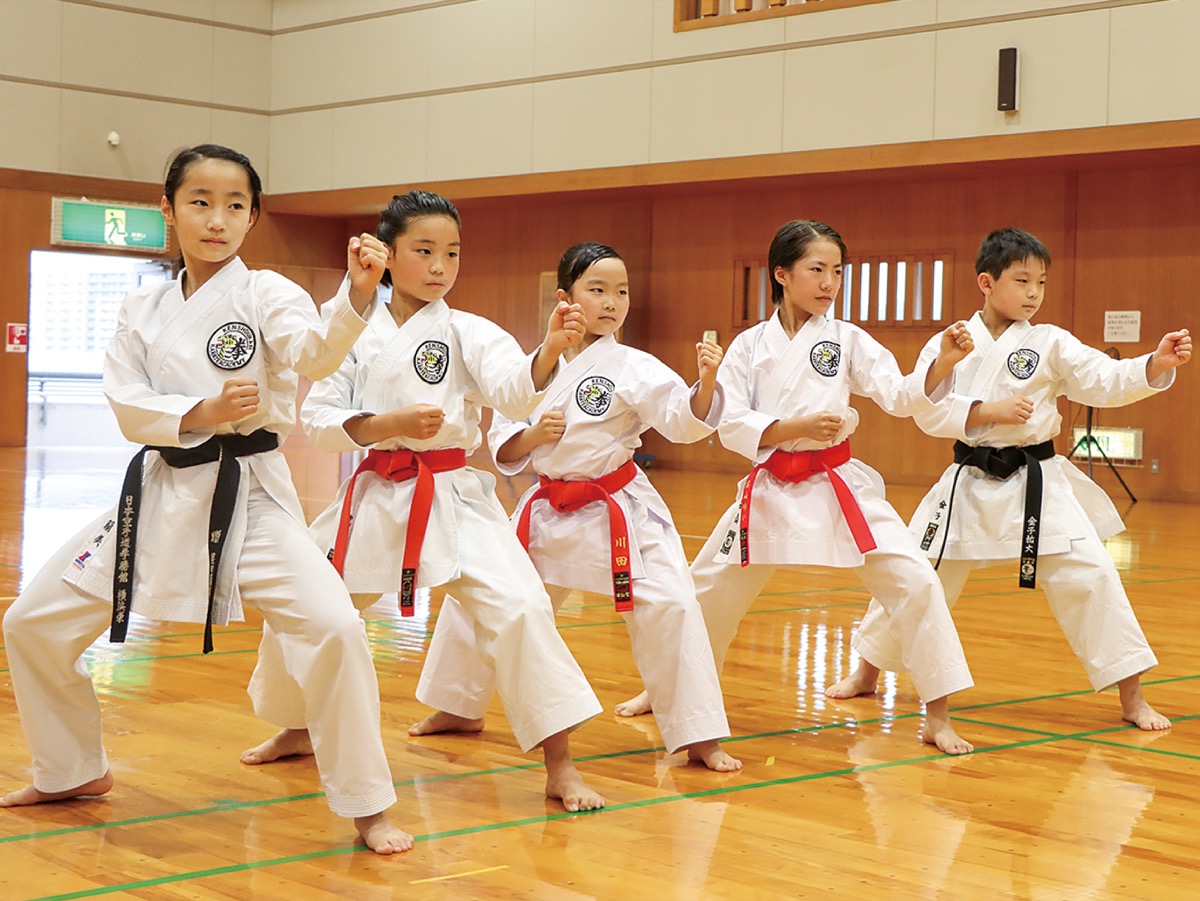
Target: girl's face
{"type": "Point", "coordinates": [424, 260]}
{"type": "Point", "coordinates": [811, 284]}
{"type": "Point", "coordinates": [211, 213]}
{"type": "Point", "coordinates": [603, 292]}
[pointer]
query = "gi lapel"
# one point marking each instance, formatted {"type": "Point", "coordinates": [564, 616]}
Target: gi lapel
{"type": "Point", "coordinates": [993, 362]}
{"type": "Point", "coordinates": [790, 357]}
{"type": "Point", "coordinates": [569, 376]}
{"type": "Point", "coordinates": [189, 320]}
{"type": "Point", "coordinates": [403, 345]}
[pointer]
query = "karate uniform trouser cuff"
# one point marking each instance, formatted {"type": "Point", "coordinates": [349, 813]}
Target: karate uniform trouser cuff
{"type": "Point", "coordinates": [567, 717]}
{"type": "Point", "coordinates": [884, 658]}
{"type": "Point", "coordinates": [1133, 665]}
{"type": "Point", "coordinates": [677, 736]}
{"type": "Point", "coordinates": [51, 783]}
{"type": "Point", "coordinates": [362, 805]}
{"type": "Point", "coordinates": [449, 699]}
{"type": "Point", "coordinates": [931, 686]}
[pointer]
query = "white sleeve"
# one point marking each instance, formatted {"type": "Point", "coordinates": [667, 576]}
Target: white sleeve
{"type": "Point", "coordinates": [664, 401]}
{"type": "Point", "coordinates": [502, 430]}
{"type": "Point", "coordinates": [311, 343]}
{"type": "Point", "coordinates": [875, 374]}
{"type": "Point", "coordinates": [330, 404]}
{"type": "Point", "coordinates": [502, 372]}
{"type": "Point", "coordinates": [741, 426]}
{"type": "Point", "coordinates": [947, 417]}
{"type": "Point", "coordinates": [1090, 377]}
{"type": "Point", "coordinates": [144, 415]}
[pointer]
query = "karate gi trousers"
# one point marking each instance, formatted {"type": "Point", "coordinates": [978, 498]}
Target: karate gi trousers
{"type": "Point", "coordinates": [321, 640]}
{"type": "Point", "coordinates": [1086, 597]}
{"type": "Point", "coordinates": [666, 631]}
{"type": "Point", "coordinates": [897, 573]}
{"type": "Point", "coordinates": [509, 630]}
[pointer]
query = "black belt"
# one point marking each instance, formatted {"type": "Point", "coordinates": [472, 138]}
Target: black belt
{"type": "Point", "coordinates": [1003, 462]}
{"type": "Point", "coordinates": [220, 449]}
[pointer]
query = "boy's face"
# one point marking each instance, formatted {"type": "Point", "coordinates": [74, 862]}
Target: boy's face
{"type": "Point", "coordinates": [1017, 294]}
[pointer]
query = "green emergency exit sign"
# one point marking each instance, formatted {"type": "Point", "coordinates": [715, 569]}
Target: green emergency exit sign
{"type": "Point", "coordinates": [117, 226]}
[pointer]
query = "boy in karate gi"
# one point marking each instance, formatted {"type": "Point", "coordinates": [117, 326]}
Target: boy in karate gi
{"type": "Point", "coordinates": [1007, 498]}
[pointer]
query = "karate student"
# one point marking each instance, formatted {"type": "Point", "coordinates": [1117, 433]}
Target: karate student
{"type": "Point", "coordinates": [415, 516]}
{"type": "Point", "coordinates": [1008, 498]}
{"type": "Point", "coordinates": [203, 370]}
{"type": "Point", "coordinates": [595, 523]}
{"type": "Point", "coordinates": [807, 501]}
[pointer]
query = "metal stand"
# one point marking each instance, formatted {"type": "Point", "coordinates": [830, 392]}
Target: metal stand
{"type": "Point", "coordinates": [1090, 440]}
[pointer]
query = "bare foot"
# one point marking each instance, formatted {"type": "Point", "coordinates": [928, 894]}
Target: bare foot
{"type": "Point", "coordinates": [634, 706]}
{"type": "Point", "coordinates": [861, 682]}
{"type": "Point", "coordinates": [440, 721]}
{"type": "Point", "coordinates": [939, 731]}
{"type": "Point", "coordinates": [381, 836]}
{"type": "Point", "coordinates": [712, 756]}
{"type": "Point", "coordinates": [1143, 715]}
{"type": "Point", "coordinates": [284, 743]}
{"type": "Point", "coordinates": [565, 784]}
{"type": "Point", "coordinates": [1134, 708]}
{"type": "Point", "coordinates": [29, 795]}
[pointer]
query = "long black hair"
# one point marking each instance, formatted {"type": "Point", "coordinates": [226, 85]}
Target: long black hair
{"type": "Point", "coordinates": [577, 259]}
{"type": "Point", "coordinates": [184, 159]}
{"type": "Point", "coordinates": [791, 242]}
{"type": "Point", "coordinates": [404, 208]}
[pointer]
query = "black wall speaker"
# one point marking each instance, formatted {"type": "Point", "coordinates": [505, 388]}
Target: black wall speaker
{"type": "Point", "coordinates": [1006, 95]}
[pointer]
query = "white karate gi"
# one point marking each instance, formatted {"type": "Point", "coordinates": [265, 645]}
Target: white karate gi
{"type": "Point", "coordinates": [459, 362]}
{"type": "Point", "coordinates": [610, 394]}
{"type": "Point", "coordinates": [167, 356]}
{"type": "Point", "coordinates": [1079, 578]}
{"type": "Point", "coordinates": [767, 377]}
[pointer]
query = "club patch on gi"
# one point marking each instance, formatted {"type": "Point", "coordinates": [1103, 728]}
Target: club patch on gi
{"type": "Point", "coordinates": [232, 345]}
{"type": "Point", "coordinates": [1023, 362]}
{"type": "Point", "coordinates": [431, 361]}
{"type": "Point", "coordinates": [594, 395]}
{"type": "Point", "coordinates": [825, 358]}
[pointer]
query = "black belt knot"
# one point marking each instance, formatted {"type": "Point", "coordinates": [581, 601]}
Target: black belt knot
{"type": "Point", "coordinates": [220, 449]}
{"type": "Point", "coordinates": [1003, 462]}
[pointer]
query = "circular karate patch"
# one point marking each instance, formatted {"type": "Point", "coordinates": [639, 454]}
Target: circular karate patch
{"type": "Point", "coordinates": [825, 358]}
{"type": "Point", "coordinates": [232, 345]}
{"type": "Point", "coordinates": [1023, 362]}
{"type": "Point", "coordinates": [594, 395]}
{"type": "Point", "coordinates": [431, 361]}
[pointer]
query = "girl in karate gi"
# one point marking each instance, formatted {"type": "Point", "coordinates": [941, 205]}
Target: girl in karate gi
{"type": "Point", "coordinates": [595, 523]}
{"type": "Point", "coordinates": [1004, 415]}
{"type": "Point", "coordinates": [203, 370]}
{"type": "Point", "coordinates": [415, 516]}
{"type": "Point", "coordinates": [787, 384]}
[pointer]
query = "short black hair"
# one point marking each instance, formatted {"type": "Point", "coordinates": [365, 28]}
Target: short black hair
{"type": "Point", "coordinates": [1006, 246]}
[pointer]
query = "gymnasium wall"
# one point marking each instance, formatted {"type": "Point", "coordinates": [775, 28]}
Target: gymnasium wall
{"type": "Point", "coordinates": [507, 87]}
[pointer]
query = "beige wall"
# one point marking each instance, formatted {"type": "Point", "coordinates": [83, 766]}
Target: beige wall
{"type": "Point", "coordinates": [347, 93]}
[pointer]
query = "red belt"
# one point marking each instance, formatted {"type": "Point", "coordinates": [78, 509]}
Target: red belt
{"type": "Point", "coordinates": [400, 466]}
{"type": "Point", "coordinates": [801, 465]}
{"type": "Point", "coordinates": [567, 496]}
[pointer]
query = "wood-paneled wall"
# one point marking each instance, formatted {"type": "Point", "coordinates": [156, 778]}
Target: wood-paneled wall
{"type": "Point", "coordinates": [1122, 236]}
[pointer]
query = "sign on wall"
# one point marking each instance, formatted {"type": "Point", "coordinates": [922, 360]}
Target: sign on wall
{"type": "Point", "coordinates": [18, 338]}
{"type": "Point", "coordinates": [116, 226]}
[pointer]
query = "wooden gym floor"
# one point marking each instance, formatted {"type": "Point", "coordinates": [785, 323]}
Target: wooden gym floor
{"type": "Point", "coordinates": [1060, 801]}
